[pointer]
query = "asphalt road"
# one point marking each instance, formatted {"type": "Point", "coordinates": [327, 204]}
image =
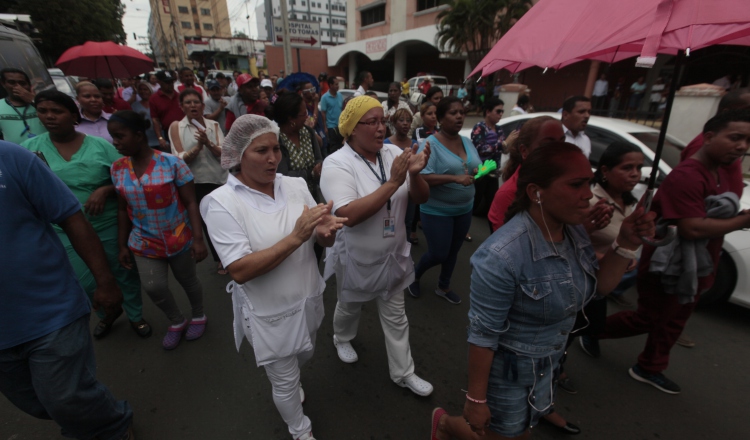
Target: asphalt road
{"type": "Point", "coordinates": [206, 390]}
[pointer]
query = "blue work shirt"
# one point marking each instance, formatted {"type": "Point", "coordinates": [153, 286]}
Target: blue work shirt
{"type": "Point", "coordinates": [331, 106]}
{"type": "Point", "coordinates": [39, 291]}
{"type": "Point", "coordinates": [524, 297]}
{"type": "Point", "coordinates": [449, 199]}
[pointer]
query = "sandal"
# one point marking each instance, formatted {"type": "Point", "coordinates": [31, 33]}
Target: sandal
{"type": "Point", "coordinates": [105, 325]}
{"type": "Point", "coordinates": [196, 329]}
{"type": "Point", "coordinates": [222, 270]}
{"type": "Point", "coordinates": [173, 336]}
{"type": "Point", "coordinates": [141, 328]}
{"type": "Point", "coordinates": [413, 240]}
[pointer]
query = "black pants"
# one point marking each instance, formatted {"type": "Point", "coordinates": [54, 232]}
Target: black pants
{"type": "Point", "coordinates": [484, 192]}
{"type": "Point", "coordinates": [201, 191]}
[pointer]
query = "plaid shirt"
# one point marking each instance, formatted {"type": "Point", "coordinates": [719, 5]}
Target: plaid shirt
{"type": "Point", "coordinates": [161, 227]}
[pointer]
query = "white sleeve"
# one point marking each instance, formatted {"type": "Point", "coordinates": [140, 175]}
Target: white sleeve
{"type": "Point", "coordinates": [227, 236]}
{"type": "Point", "coordinates": [338, 183]}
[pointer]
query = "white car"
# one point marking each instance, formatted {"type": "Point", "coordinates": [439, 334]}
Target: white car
{"type": "Point", "coordinates": [732, 282]}
{"type": "Point", "coordinates": [349, 92]}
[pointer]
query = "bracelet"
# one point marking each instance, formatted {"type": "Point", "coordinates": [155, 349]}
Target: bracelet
{"type": "Point", "coordinates": [624, 253]}
{"type": "Point", "coordinates": [471, 399]}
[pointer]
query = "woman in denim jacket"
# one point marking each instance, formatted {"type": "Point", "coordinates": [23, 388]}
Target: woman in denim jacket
{"type": "Point", "coordinates": [529, 280]}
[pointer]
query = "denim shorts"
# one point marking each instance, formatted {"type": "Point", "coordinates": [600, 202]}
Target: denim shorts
{"type": "Point", "coordinates": [520, 390]}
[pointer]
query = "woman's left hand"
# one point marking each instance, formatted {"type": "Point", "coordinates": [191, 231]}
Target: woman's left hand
{"type": "Point", "coordinates": [599, 217]}
{"type": "Point", "coordinates": [201, 137]}
{"type": "Point", "coordinates": [510, 139]}
{"type": "Point", "coordinates": [418, 161]}
{"type": "Point", "coordinates": [329, 223]}
{"type": "Point", "coordinates": [95, 203]}
{"type": "Point", "coordinates": [316, 170]}
{"type": "Point", "coordinates": [635, 226]}
{"type": "Point", "coordinates": [198, 250]}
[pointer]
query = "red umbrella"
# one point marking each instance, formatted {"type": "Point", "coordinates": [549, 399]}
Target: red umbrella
{"type": "Point", "coordinates": [104, 60]}
{"type": "Point", "coordinates": [556, 33]}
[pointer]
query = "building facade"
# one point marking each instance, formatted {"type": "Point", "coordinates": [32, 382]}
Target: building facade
{"type": "Point", "coordinates": [331, 14]}
{"type": "Point", "coordinates": [173, 24]}
{"type": "Point", "coordinates": [394, 39]}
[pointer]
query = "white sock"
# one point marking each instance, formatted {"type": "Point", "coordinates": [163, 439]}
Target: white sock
{"type": "Point", "coordinates": [180, 324]}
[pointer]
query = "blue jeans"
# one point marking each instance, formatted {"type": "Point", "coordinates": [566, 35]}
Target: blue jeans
{"type": "Point", "coordinates": [445, 236]}
{"type": "Point", "coordinates": [54, 377]}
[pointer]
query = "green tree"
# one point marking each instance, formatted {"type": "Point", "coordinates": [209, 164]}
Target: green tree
{"type": "Point", "coordinates": [239, 34]}
{"type": "Point", "coordinates": [63, 24]}
{"type": "Point", "coordinates": [474, 26]}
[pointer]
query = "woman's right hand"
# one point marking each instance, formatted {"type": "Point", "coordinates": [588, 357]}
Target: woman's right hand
{"type": "Point", "coordinates": [400, 167]}
{"type": "Point", "coordinates": [125, 258]}
{"type": "Point", "coordinates": [465, 179]}
{"type": "Point", "coordinates": [163, 143]}
{"type": "Point", "coordinates": [308, 221]}
{"type": "Point", "coordinates": [478, 416]}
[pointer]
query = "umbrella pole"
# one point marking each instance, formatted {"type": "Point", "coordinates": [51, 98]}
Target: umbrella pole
{"type": "Point", "coordinates": [665, 120]}
{"type": "Point", "coordinates": [111, 75]}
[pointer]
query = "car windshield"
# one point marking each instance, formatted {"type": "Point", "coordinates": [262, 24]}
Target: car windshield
{"type": "Point", "coordinates": [672, 149]}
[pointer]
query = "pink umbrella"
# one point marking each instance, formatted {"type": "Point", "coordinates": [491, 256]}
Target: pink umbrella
{"type": "Point", "coordinates": [555, 33]}
{"type": "Point", "coordinates": [104, 60]}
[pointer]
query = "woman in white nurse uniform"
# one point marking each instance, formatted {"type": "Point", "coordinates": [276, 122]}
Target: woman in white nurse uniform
{"type": "Point", "coordinates": [371, 184]}
{"type": "Point", "coordinates": [263, 226]}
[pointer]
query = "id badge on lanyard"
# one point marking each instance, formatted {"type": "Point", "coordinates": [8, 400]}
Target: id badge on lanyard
{"type": "Point", "coordinates": [389, 222]}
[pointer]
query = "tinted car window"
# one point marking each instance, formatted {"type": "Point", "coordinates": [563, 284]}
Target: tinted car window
{"type": "Point", "coordinates": [671, 152]}
{"type": "Point", "coordinates": [62, 85]}
{"type": "Point", "coordinates": [21, 54]}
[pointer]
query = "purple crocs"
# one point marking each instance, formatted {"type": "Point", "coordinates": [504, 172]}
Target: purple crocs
{"type": "Point", "coordinates": [196, 328]}
{"type": "Point", "coordinates": [173, 336]}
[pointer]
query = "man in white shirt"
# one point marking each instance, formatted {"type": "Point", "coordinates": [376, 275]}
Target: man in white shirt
{"type": "Point", "coordinates": [365, 81]}
{"type": "Point", "coordinates": [576, 111]}
{"type": "Point", "coordinates": [522, 106]}
{"type": "Point", "coordinates": [601, 88]}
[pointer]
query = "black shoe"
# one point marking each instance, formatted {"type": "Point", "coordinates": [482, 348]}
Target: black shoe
{"type": "Point", "coordinates": [414, 289]}
{"type": "Point", "coordinates": [567, 385]}
{"type": "Point", "coordinates": [590, 346]}
{"type": "Point", "coordinates": [568, 429]}
{"type": "Point", "coordinates": [141, 328]}
{"type": "Point", "coordinates": [658, 380]}
{"type": "Point", "coordinates": [105, 325]}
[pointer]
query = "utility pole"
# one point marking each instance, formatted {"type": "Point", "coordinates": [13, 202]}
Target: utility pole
{"type": "Point", "coordinates": [269, 20]}
{"type": "Point", "coordinates": [287, 44]}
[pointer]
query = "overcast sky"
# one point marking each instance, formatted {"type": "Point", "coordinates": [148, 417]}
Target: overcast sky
{"type": "Point", "coordinates": [137, 12]}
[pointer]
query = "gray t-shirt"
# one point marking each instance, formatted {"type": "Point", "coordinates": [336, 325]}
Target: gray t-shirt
{"type": "Point", "coordinates": [212, 106]}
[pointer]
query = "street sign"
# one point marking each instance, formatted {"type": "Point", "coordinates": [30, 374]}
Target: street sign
{"type": "Point", "coordinates": [302, 34]}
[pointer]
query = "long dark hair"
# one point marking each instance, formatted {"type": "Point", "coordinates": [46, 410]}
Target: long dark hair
{"type": "Point", "coordinates": [286, 107]}
{"type": "Point", "coordinates": [526, 136]}
{"type": "Point", "coordinates": [612, 157]}
{"type": "Point", "coordinates": [542, 166]}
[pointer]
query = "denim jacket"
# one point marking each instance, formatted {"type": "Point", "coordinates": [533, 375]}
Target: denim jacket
{"type": "Point", "coordinates": [523, 298]}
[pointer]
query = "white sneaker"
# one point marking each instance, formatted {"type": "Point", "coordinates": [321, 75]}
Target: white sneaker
{"type": "Point", "coordinates": [417, 385]}
{"type": "Point", "coordinates": [346, 351]}
{"type": "Point", "coordinates": [307, 436]}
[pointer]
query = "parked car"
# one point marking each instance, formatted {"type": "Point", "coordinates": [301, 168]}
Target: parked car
{"type": "Point", "coordinates": [732, 281]}
{"type": "Point", "coordinates": [437, 80]}
{"type": "Point", "coordinates": [17, 50]}
{"type": "Point", "coordinates": [349, 92]}
{"type": "Point", "coordinates": [65, 84]}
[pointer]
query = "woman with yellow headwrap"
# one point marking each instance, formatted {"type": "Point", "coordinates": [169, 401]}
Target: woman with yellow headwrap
{"type": "Point", "coordinates": [371, 184]}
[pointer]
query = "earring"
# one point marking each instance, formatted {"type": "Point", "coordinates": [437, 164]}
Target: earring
{"type": "Point", "coordinates": [604, 178]}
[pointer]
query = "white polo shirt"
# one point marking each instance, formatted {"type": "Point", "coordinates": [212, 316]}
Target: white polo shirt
{"type": "Point", "coordinates": [580, 140]}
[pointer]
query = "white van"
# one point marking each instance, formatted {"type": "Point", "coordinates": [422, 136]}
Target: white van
{"type": "Point", "coordinates": [17, 50]}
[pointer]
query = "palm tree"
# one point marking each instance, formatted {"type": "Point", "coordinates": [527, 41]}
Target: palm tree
{"type": "Point", "coordinates": [474, 26]}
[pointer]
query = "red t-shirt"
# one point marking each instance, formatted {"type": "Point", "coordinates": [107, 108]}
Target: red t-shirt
{"type": "Point", "coordinates": [118, 104]}
{"type": "Point", "coordinates": [324, 88]}
{"type": "Point", "coordinates": [165, 109]}
{"type": "Point", "coordinates": [504, 197]}
{"type": "Point", "coordinates": [682, 195]}
{"type": "Point", "coordinates": [734, 170]}
{"type": "Point", "coordinates": [258, 108]}
{"type": "Point", "coordinates": [181, 88]}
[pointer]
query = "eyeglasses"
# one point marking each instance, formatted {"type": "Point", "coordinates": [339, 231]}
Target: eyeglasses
{"type": "Point", "coordinates": [307, 90]}
{"type": "Point", "coordinates": [374, 122]}
{"type": "Point", "coordinates": [12, 82]}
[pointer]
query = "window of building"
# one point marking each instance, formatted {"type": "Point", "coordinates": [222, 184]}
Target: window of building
{"type": "Point", "coordinates": [183, 10]}
{"type": "Point", "coordinates": [303, 3]}
{"type": "Point", "coordinates": [326, 19]}
{"type": "Point", "coordinates": [197, 26]}
{"type": "Point", "coordinates": [208, 26]}
{"type": "Point", "coordinates": [373, 15]}
{"type": "Point", "coordinates": [205, 11]}
{"type": "Point", "coordinates": [326, 6]}
{"type": "Point", "coordinates": [186, 25]}
{"type": "Point", "coordinates": [195, 10]}
{"type": "Point", "coordinates": [429, 4]}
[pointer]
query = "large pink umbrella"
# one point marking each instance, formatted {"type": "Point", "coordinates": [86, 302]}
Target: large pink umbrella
{"type": "Point", "coordinates": [104, 60]}
{"type": "Point", "coordinates": [555, 33]}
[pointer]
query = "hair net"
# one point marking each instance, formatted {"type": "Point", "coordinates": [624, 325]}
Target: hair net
{"type": "Point", "coordinates": [355, 109]}
{"type": "Point", "coordinates": [243, 132]}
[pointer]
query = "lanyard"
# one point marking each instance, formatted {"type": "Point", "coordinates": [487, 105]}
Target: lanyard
{"type": "Point", "coordinates": [381, 177]}
{"type": "Point", "coordinates": [22, 116]}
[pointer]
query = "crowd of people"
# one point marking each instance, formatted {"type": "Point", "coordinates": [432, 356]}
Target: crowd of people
{"type": "Point", "coordinates": [117, 187]}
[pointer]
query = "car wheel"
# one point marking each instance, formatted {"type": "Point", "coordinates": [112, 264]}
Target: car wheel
{"type": "Point", "coordinates": [724, 283]}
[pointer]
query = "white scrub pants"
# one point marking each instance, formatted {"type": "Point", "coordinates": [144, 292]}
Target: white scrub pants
{"type": "Point", "coordinates": [284, 375]}
{"type": "Point", "coordinates": [395, 327]}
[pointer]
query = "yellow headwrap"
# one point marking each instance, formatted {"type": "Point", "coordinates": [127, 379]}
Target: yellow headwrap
{"type": "Point", "coordinates": [355, 109]}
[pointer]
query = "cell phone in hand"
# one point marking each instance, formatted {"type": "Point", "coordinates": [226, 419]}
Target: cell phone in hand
{"type": "Point", "coordinates": [198, 125]}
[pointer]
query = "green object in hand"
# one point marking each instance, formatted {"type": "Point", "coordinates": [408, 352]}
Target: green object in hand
{"type": "Point", "coordinates": [487, 167]}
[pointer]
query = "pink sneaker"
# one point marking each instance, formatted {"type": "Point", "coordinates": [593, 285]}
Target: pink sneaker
{"type": "Point", "coordinates": [196, 329]}
{"type": "Point", "coordinates": [173, 336]}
